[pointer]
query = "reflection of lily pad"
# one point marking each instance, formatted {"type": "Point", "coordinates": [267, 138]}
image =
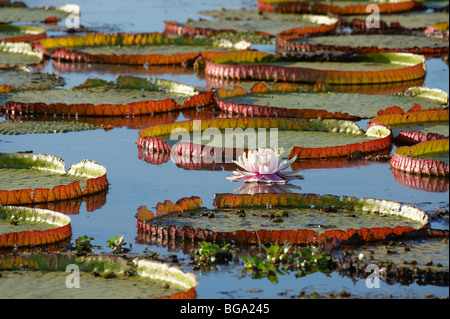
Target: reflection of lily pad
{"type": "Point", "coordinates": [37, 178]}
{"type": "Point", "coordinates": [275, 103]}
{"type": "Point", "coordinates": [242, 20]}
{"type": "Point", "coordinates": [44, 127]}
{"type": "Point", "coordinates": [21, 33]}
{"type": "Point", "coordinates": [429, 158]}
{"type": "Point", "coordinates": [131, 49]}
{"type": "Point", "coordinates": [341, 7]}
{"type": "Point", "coordinates": [326, 138]}
{"type": "Point", "coordinates": [128, 96]}
{"type": "Point", "coordinates": [365, 69]}
{"type": "Point", "coordinates": [23, 226]}
{"type": "Point", "coordinates": [361, 43]}
{"type": "Point", "coordinates": [101, 276]}
{"type": "Point", "coordinates": [12, 54]}
{"type": "Point", "coordinates": [169, 219]}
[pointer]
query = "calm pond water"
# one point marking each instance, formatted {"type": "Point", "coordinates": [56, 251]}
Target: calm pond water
{"type": "Point", "coordinates": [134, 182]}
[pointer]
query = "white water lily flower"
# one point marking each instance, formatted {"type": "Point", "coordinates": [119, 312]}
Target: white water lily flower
{"type": "Point", "coordinates": [264, 165]}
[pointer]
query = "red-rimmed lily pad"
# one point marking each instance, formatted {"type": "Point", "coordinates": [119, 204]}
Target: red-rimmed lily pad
{"type": "Point", "coordinates": [18, 54]}
{"type": "Point", "coordinates": [22, 78]}
{"type": "Point", "coordinates": [130, 49]}
{"type": "Point", "coordinates": [364, 43]}
{"type": "Point", "coordinates": [21, 33]}
{"type": "Point", "coordinates": [428, 158]}
{"type": "Point", "coordinates": [37, 178]}
{"type": "Point", "coordinates": [128, 96]}
{"type": "Point", "coordinates": [244, 21]}
{"type": "Point", "coordinates": [101, 276]}
{"type": "Point", "coordinates": [23, 226]}
{"type": "Point", "coordinates": [270, 214]}
{"type": "Point", "coordinates": [365, 69]}
{"type": "Point", "coordinates": [286, 100]}
{"type": "Point", "coordinates": [327, 138]}
{"type": "Point", "coordinates": [397, 116]}
{"type": "Point", "coordinates": [340, 7]}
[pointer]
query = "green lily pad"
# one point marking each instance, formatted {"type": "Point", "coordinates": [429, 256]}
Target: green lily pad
{"type": "Point", "coordinates": [44, 127]}
{"type": "Point", "coordinates": [22, 78]}
{"type": "Point", "coordinates": [21, 14]}
{"type": "Point", "coordinates": [100, 277]}
{"type": "Point", "coordinates": [12, 54]}
{"type": "Point", "coordinates": [242, 20]}
{"type": "Point", "coordinates": [372, 43]}
{"type": "Point", "coordinates": [438, 128]}
{"type": "Point", "coordinates": [21, 33]}
{"type": "Point", "coordinates": [411, 20]}
{"type": "Point", "coordinates": [357, 104]}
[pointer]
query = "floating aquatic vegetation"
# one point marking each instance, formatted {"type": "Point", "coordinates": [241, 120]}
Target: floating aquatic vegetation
{"type": "Point", "coordinates": [363, 43]}
{"type": "Point", "coordinates": [18, 54]}
{"type": "Point", "coordinates": [20, 13]}
{"type": "Point", "coordinates": [139, 277]}
{"type": "Point", "coordinates": [337, 7]}
{"type": "Point", "coordinates": [365, 69]}
{"type": "Point", "coordinates": [289, 130]}
{"type": "Point", "coordinates": [21, 33]}
{"type": "Point", "coordinates": [22, 78]}
{"type": "Point", "coordinates": [418, 159]}
{"type": "Point", "coordinates": [50, 181]}
{"type": "Point", "coordinates": [286, 100]}
{"type": "Point", "coordinates": [396, 116]}
{"type": "Point", "coordinates": [242, 21]}
{"type": "Point", "coordinates": [178, 221]}
{"type": "Point", "coordinates": [23, 226]}
{"type": "Point", "coordinates": [100, 98]}
{"type": "Point", "coordinates": [130, 49]}
{"type": "Point", "coordinates": [43, 127]}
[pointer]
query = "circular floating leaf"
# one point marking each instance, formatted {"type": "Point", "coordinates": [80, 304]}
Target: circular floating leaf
{"type": "Point", "coordinates": [242, 20]}
{"type": "Point", "coordinates": [171, 221]}
{"type": "Point", "coordinates": [289, 101]}
{"type": "Point", "coordinates": [44, 127]}
{"type": "Point", "coordinates": [129, 49]}
{"type": "Point", "coordinates": [23, 226]}
{"type": "Point", "coordinates": [413, 159]}
{"type": "Point", "coordinates": [37, 178]}
{"type": "Point", "coordinates": [377, 137]}
{"type": "Point", "coordinates": [21, 78]}
{"type": "Point", "coordinates": [361, 43]}
{"type": "Point", "coordinates": [17, 54]}
{"type": "Point", "coordinates": [100, 98]}
{"type": "Point", "coordinates": [21, 33]}
{"type": "Point", "coordinates": [340, 7]}
{"type": "Point", "coordinates": [139, 278]}
{"type": "Point", "coordinates": [10, 14]}
{"type": "Point", "coordinates": [367, 69]}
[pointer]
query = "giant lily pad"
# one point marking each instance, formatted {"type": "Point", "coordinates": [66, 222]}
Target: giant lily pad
{"type": "Point", "coordinates": [362, 43]}
{"type": "Point", "coordinates": [23, 226]}
{"type": "Point", "coordinates": [242, 21]}
{"type": "Point", "coordinates": [117, 277]}
{"type": "Point", "coordinates": [429, 158]}
{"type": "Point", "coordinates": [127, 96]}
{"type": "Point", "coordinates": [130, 49]}
{"type": "Point", "coordinates": [290, 101]}
{"type": "Point", "coordinates": [319, 138]}
{"type": "Point", "coordinates": [342, 7]}
{"type": "Point", "coordinates": [25, 14]}
{"type": "Point", "coordinates": [21, 33]}
{"type": "Point", "coordinates": [225, 224]}
{"type": "Point", "coordinates": [21, 78]}
{"type": "Point", "coordinates": [18, 54]}
{"type": "Point", "coordinates": [37, 178]}
{"type": "Point", "coordinates": [366, 69]}
{"type": "Point", "coordinates": [42, 127]}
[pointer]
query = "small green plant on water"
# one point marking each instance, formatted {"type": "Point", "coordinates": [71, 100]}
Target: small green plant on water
{"type": "Point", "coordinates": [280, 260]}
{"type": "Point", "coordinates": [84, 245]}
{"type": "Point", "coordinates": [208, 255]}
{"type": "Point", "coordinates": [117, 244]}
